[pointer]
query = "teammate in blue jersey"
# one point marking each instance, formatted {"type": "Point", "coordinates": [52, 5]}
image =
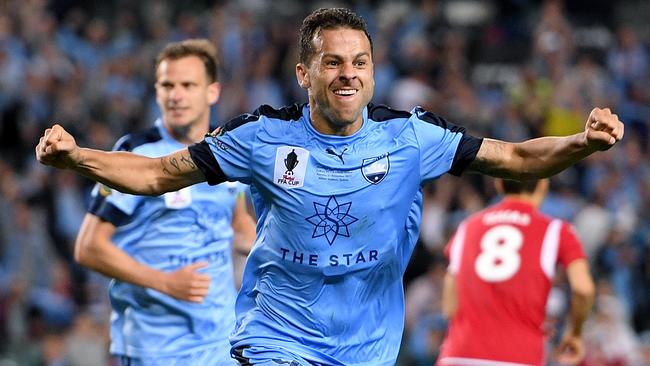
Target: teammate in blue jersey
{"type": "Point", "coordinates": [173, 293]}
{"type": "Point", "coordinates": [336, 186]}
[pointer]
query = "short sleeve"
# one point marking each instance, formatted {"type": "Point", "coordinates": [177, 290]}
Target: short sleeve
{"type": "Point", "coordinates": [225, 154]}
{"type": "Point", "coordinates": [113, 206]}
{"type": "Point", "coordinates": [570, 246]}
{"type": "Point", "coordinates": [444, 147]}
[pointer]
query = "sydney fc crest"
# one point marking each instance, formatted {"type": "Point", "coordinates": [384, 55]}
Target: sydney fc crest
{"type": "Point", "coordinates": [374, 170]}
{"type": "Point", "coordinates": [290, 166]}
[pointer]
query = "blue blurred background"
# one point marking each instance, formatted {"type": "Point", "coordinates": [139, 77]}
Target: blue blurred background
{"type": "Point", "coordinates": [504, 69]}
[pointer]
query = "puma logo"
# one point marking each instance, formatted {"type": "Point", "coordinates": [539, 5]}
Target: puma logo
{"type": "Point", "coordinates": [331, 151]}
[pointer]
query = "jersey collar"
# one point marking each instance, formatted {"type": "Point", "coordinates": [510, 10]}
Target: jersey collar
{"type": "Point", "coordinates": [343, 139]}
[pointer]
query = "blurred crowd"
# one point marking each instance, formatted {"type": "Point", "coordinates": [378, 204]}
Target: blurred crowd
{"type": "Point", "coordinates": [504, 69]}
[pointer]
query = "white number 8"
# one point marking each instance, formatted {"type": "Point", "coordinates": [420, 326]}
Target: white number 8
{"type": "Point", "coordinates": [499, 259]}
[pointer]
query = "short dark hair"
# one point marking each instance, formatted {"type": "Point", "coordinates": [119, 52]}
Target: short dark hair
{"type": "Point", "coordinates": [327, 18]}
{"type": "Point", "coordinates": [519, 186]}
{"type": "Point", "coordinates": [201, 48]}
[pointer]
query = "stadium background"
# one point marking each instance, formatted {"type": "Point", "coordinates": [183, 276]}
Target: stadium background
{"type": "Point", "coordinates": [504, 69]}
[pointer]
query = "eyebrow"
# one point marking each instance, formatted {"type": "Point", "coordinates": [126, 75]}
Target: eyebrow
{"type": "Point", "coordinates": [333, 55]}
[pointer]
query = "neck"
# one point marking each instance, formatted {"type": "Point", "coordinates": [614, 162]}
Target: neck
{"type": "Point", "coordinates": [190, 134]}
{"type": "Point", "coordinates": [531, 199]}
{"type": "Point", "coordinates": [329, 126]}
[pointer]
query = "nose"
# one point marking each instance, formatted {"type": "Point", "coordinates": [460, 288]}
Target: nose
{"type": "Point", "coordinates": [175, 94]}
{"type": "Point", "coordinates": [348, 71]}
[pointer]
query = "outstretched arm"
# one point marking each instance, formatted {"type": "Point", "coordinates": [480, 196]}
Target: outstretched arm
{"type": "Point", "coordinates": [124, 171]}
{"type": "Point", "coordinates": [546, 156]}
{"type": "Point", "coordinates": [95, 249]}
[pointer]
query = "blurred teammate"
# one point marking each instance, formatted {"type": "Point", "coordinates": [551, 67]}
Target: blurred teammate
{"type": "Point", "coordinates": [501, 266]}
{"type": "Point", "coordinates": [173, 291]}
{"type": "Point", "coordinates": [336, 186]}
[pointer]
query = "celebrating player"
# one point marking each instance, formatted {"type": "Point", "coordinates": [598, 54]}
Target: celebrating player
{"type": "Point", "coordinates": [336, 186]}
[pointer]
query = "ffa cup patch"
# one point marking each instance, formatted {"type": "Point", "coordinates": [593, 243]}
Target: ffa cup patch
{"type": "Point", "coordinates": [290, 166]}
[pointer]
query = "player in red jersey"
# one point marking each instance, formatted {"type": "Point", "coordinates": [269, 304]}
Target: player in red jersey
{"type": "Point", "coordinates": [501, 265]}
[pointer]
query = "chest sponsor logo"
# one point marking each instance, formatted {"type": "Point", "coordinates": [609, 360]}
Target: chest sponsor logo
{"type": "Point", "coordinates": [374, 170]}
{"type": "Point", "coordinates": [290, 166]}
{"type": "Point", "coordinates": [178, 199]}
{"type": "Point", "coordinates": [331, 220]}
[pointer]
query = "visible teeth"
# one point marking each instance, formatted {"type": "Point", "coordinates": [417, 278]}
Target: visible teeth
{"type": "Point", "coordinates": [345, 92]}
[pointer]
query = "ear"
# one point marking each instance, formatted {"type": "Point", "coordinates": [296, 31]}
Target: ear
{"type": "Point", "coordinates": [214, 90]}
{"type": "Point", "coordinates": [302, 75]}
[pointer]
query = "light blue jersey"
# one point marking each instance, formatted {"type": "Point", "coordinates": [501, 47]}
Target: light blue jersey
{"type": "Point", "coordinates": [169, 232]}
{"type": "Point", "coordinates": [338, 217]}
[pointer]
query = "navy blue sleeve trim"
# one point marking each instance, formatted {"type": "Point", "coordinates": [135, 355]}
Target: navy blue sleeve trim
{"type": "Point", "coordinates": [95, 203]}
{"type": "Point", "coordinates": [437, 120]}
{"type": "Point", "coordinates": [465, 153]}
{"type": "Point", "coordinates": [203, 158]}
{"type": "Point", "coordinates": [109, 212]}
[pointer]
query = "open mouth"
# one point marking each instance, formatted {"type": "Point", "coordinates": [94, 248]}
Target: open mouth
{"type": "Point", "coordinates": [345, 92]}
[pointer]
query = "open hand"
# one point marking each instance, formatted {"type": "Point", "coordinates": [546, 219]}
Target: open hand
{"type": "Point", "coordinates": [187, 283]}
{"type": "Point", "coordinates": [603, 129]}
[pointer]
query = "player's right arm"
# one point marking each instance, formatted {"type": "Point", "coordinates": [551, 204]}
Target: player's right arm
{"type": "Point", "coordinates": [124, 171]}
{"type": "Point", "coordinates": [571, 349]}
{"type": "Point", "coordinates": [95, 249]}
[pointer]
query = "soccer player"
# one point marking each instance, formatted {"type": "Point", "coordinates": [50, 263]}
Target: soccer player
{"type": "Point", "coordinates": [336, 187]}
{"type": "Point", "coordinates": [173, 293]}
{"type": "Point", "coordinates": [501, 266]}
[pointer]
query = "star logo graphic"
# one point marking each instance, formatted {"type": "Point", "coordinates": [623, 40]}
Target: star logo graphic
{"type": "Point", "coordinates": [331, 220]}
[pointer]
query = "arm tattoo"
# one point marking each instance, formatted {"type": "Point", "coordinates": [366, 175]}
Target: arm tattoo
{"type": "Point", "coordinates": [188, 162]}
{"type": "Point", "coordinates": [172, 161]}
{"type": "Point", "coordinates": [176, 164]}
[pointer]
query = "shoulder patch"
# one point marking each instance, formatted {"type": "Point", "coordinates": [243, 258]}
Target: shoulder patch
{"type": "Point", "coordinates": [104, 190]}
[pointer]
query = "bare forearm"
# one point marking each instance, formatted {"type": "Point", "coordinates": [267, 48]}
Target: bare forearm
{"type": "Point", "coordinates": [135, 174]}
{"type": "Point", "coordinates": [582, 295]}
{"type": "Point", "coordinates": [112, 262]}
{"type": "Point", "coordinates": [126, 172]}
{"type": "Point", "coordinates": [532, 159]}
{"type": "Point", "coordinates": [580, 309]}
{"type": "Point", "coordinates": [95, 250]}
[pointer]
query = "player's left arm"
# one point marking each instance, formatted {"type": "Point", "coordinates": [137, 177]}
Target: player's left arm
{"type": "Point", "coordinates": [243, 226]}
{"type": "Point", "coordinates": [546, 156]}
{"type": "Point", "coordinates": [449, 296]}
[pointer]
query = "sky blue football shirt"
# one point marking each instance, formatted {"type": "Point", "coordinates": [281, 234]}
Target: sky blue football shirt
{"type": "Point", "coordinates": [169, 232]}
{"type": "Point", "coordinates": [338, 217]}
